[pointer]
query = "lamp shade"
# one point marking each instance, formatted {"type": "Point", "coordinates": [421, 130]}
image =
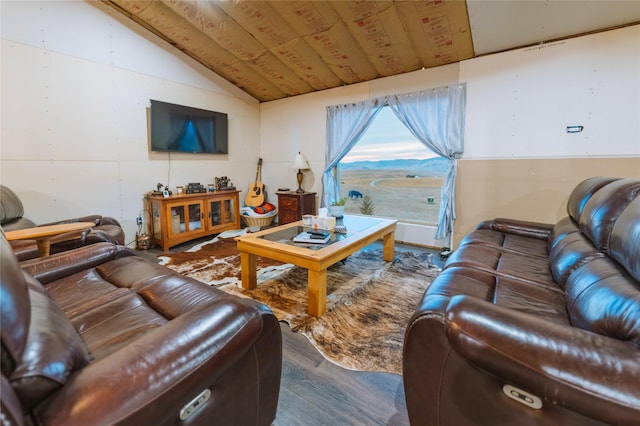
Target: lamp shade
{"type": "Point", "coordinates": [300, 162]}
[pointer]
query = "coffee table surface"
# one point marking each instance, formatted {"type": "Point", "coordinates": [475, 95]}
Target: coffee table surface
{"type": "Point", "coordinates": [279, 239]}
{"type": "Point", "coordinates": [277, 243]}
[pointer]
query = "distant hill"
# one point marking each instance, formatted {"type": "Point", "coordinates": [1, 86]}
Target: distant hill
{"type": "Point", "coordinates": [411, 166]}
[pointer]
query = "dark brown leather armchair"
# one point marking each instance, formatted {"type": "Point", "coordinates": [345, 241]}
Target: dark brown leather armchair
{"type": "Point", "coordinates": [100, 336]}
{"type": "Point", "coordinates": [107, 229]}
{"type": "Point", "coordinates": [535, 324]}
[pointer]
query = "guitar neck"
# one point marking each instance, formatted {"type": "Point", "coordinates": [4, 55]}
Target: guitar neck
{"type": "Point", "coordinates": [258, 171]}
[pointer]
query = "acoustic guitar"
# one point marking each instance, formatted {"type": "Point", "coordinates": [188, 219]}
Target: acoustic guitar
{"type": "Point", "coordinates": [255, 195]}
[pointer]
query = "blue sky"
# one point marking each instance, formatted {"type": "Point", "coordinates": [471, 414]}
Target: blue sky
{"type": "Point", "coordinates": [387, 139]}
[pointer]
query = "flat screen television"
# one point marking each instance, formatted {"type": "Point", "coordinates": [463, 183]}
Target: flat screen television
{"type": "Point", "coordinates": [178, 128]}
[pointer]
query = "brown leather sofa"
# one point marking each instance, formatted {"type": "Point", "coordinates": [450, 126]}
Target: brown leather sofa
{"type": "Point", "coordinates": [100, 336]}
{"type": "Point", "coordinates": [107, 229]}
{"type": "Point", "coordinates": [535, 324]}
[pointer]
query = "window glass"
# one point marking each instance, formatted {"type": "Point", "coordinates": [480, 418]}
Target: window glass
{"type": "Point", "coordinates": [389, 173]}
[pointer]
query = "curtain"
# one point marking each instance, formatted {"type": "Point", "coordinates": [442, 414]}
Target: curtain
{"type": "Point", "coordinates": [204, 133]}
{"type": "Point", "coordinates": [177, 128]}
{"type": "Point", "coordinates": [345, 126]}
{"type": "Point", "coordinates": [435, 117]}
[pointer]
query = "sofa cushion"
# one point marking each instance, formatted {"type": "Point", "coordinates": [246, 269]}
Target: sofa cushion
{"type": "Point", "coordinates": [116, 325]}
{"type": "Point", "coordinates": [40, 347]}
{"type": "Point", "coordinates": [583, 192]}
{"type": "Point", "coordinates": [564, 227]}
{"type": "Point", "coordinates": [10, 205]}
{"type": "Point", "coordinates": [507, 242]}
{"type": "Point", "coordinates": [82, 292]}
{"type": "Point", "coordinates": [572, 251]}
{"type": "Point", "coordinates": [505, 263]}
{"type": "Point", "coordinates": [121, 300]}
{"type": "Point", "coordinates": [602, 297]}
{"type": "Point", "coordinates": [52, 351]}
{"type": "Point", "coordinates": [540, 301]}
{"type": "Point", "coordinates": [16, 309]}
{"type": "Point", "coordinates": [604, 207]}
{"type": "Point", "coordinates": [624, 242]}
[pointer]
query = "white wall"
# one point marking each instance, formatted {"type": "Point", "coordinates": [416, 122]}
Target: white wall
{"type": "Point", "coordinates": [520, 102]}
{"type": "Point", "coordinates": [518, 106]}
{"type": "Point", "coordinates": [76, 83]}
{"type": "Point", "coordinates": [77, 79]}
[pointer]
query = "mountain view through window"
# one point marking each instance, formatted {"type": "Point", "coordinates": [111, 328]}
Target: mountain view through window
{"type": "Point", "coordinates": [389, 173]}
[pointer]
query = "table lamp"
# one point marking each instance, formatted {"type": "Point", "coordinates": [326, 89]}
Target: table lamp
{"type": "Point", "coordinates": [301, 164]}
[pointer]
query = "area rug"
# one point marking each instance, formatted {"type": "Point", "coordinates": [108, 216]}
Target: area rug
{"type": "Point", "coordinates": [369, 301]}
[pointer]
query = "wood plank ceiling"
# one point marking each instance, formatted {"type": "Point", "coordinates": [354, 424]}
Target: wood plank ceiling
{"type": "Point", "coordinates": [276, 49]}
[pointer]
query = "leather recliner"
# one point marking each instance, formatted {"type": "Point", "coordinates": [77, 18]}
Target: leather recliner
{"type": "Point", "coordinates": [534, 324]}
{"type": "Point", "coordinates": [100, 336]}
{"type": "Point", "coordinates": [107, 229]}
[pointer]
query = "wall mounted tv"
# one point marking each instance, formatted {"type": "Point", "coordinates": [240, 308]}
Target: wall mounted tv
{"type": "Point", "coordinates": [178, 128]}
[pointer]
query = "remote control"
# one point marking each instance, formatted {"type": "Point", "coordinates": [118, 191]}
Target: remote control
{"type": "Point", "coordinates": [318, 233]}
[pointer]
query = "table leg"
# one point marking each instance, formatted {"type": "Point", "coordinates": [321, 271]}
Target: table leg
{"type": "Point", "coordinates": [248, 270]}
{"type": "Point", "coordinates": [317, 292]}
{"type": "Point", "coordinates": [389, 246]}
{"type": "Point", "coordinates": [44, 246]}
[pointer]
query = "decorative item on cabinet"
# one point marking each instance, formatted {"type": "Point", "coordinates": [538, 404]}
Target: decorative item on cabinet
{"type": "Point", "coordinates": [223, 183]}
{"type": "Point", "coordinates": [301, 164]}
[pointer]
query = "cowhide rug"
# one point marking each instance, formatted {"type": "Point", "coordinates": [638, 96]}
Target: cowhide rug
{"type": "Point", "coordinates": [369, 301]}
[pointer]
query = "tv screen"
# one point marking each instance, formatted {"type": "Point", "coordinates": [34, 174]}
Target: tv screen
{"type": "Point", "coordinates": [178, 128]}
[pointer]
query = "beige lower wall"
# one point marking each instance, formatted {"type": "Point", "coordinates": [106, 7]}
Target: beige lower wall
{"type": "Point", "coordinates": [527, 189]}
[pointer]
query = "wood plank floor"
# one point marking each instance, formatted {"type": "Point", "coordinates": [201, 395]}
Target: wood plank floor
{"type": "Point", "coordinates": [316, 391]}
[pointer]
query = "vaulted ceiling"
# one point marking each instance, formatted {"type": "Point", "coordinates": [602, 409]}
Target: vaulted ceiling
{"type": "Point", "coordinates": [276, 49]}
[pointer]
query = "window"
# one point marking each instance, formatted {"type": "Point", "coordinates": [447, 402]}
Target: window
{"type": "Point", "coordinates": [390, 173]}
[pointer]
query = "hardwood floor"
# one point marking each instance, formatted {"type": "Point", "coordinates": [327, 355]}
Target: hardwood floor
{"type": "Point", "coordinates": [316, 391]}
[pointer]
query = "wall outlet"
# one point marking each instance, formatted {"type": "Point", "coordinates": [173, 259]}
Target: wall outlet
{"type": "Point", "coordinates": [139, 220]}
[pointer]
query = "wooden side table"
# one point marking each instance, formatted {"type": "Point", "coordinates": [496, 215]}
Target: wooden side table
{"type": "Point", "coordinates": [292, 205]}
{"type": "Point", "coordinates": [43, 234]}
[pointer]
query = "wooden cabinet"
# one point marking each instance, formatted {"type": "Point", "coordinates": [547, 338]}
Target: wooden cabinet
{"type": "Point", "coordinates": [292, 205]}
{"type": "Point", "coordinates": [181, 218]}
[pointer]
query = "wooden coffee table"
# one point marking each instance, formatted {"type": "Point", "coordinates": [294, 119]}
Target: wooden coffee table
{"type": "Point", "coordinates": [276, 243]}
{"type": "Point", "coordinates": [43, 234]}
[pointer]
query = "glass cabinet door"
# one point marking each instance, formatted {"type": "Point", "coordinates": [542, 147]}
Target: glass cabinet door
{"type": "Point", "coordinates": [156, 216]}
{"type": "Point", "coordinates": [229, 211]}
{"type": "Point", "coordinates": [195, 217]}
{"type": "Point", "coordinates": [177, 215]}
{"type": "Point", "coordinates": [185, 218]}
{"type": "Point", "coordinates": [215, 213]}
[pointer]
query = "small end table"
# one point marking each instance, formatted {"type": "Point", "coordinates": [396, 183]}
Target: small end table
{"type": "Point", "coordinates": [292, 205]}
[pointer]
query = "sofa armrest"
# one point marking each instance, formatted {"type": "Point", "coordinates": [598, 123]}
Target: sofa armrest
{"type": "Point", "coordinates": [10, 407]}
{"type": "Point", "coordinates": [582, 371]}
{"type": "Point", "coordinates": [536, 230]}
{"type": "Point", "coordinates": [99, 220]}
{"type": "Point", "coordinates": [150, 381]}
{"type": "Point", "coordinates": [95, 218]}
{"type": "Point", "coordinates": [56, 266]}
{"type": "Point", "coordinates": [106, 220]}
